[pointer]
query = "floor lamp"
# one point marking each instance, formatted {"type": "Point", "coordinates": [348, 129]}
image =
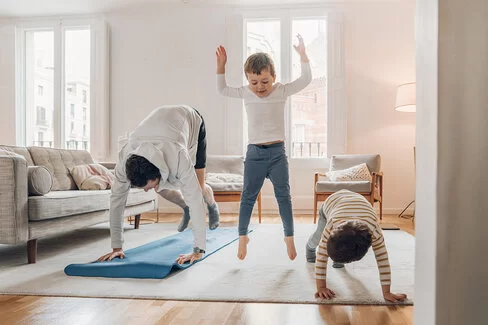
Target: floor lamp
{"type": "Point", "coordinates": [406, 102]}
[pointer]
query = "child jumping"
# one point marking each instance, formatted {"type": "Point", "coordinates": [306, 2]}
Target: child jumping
{"type": "Point", "coordinates": [265, 158]}
{"type": "Point", "coordinates": [347, 227]}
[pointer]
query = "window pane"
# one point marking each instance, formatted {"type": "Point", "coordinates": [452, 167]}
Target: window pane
{"type": "Point", "coordinates": [263, 36]}
{"type": "Point", "coordinates": [77, 89]}
{"type": "Point", "coordinates": [309, 107]}
{"type": "Point", "coordinates": [39, 85]}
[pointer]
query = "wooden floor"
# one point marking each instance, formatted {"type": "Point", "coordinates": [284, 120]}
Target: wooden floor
{"type": "Point", "coordinates": [68, 311]}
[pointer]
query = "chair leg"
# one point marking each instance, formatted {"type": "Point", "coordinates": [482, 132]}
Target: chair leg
{"type": "Point", "coordinates": [32, 251]}
{"type": "Point", "coordinates": [137, 221]}
{"type": "Point", "coordinates": [259, 206]}
{"type": "Point", "coordinates": [315, 208]}
{"type": "Point", "coordinates": [381, 209]}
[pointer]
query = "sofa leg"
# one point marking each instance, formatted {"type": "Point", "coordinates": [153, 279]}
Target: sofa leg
{"type": "Point", "coordinates": [137, 221]}
{"type": "Point", "coordinates": [32, 251]}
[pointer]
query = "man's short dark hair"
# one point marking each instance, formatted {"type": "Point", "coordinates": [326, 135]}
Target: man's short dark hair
{"type": "Point", "coordinates": [349, 242]}
{"type": "Point", "coordinates": [139, 171]}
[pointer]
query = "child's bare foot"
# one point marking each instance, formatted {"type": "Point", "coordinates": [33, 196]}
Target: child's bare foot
{"type": "Point", "coordinates": [290, 247]}
{"type": "Point", "coordinates": [242, 250]}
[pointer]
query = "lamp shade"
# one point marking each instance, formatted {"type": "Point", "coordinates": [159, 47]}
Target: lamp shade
{"type": "Point", "coordinates": [406, 98]}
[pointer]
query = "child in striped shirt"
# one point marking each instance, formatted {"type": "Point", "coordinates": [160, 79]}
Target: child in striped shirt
{"type": "Point", "coordinates": [347, 227]}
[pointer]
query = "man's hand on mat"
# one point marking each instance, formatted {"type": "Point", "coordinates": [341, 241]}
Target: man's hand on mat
{"type": "Point", "coordinates": [117, 252]}
{"type": "Point", "coordinates": [183, 258]}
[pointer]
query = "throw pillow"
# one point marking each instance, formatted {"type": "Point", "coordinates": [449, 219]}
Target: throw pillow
{"type": "Point", "coordinates": [39, 180]}
{"type": "Point", "coordinates": [355, 173]}
{"type": "Point", "coordinates": [92, 177]}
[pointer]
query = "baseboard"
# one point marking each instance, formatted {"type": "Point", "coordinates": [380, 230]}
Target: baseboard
{"type": "Point", "coordinates": [301, 205]}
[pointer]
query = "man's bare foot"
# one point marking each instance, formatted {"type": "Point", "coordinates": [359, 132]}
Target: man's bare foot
{"type": "Point", "coordinates": [242, 250]}
{"type": "Point", "coordinates": [290, 247]}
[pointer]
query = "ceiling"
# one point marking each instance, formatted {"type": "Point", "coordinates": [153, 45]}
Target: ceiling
{"type": "Point", "coordinates": [29, 8]}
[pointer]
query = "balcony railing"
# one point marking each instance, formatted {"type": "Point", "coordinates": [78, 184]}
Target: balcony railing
{"type": "Point", "coordinates": [48, 144]}
{"type": "Point", "coordinates": [77, 145]}
{"type": "Point", "coordinates": [308, 149]}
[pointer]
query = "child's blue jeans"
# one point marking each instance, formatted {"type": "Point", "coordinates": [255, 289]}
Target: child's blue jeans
{"type": "Point", "coordinates": [266, 161]}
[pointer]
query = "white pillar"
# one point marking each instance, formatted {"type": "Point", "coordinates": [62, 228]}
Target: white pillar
{"type": "Point", "coordinates": [451, 280]}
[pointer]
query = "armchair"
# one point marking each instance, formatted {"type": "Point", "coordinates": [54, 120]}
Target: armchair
{"type": "Point", "coordinates": [373, 191]}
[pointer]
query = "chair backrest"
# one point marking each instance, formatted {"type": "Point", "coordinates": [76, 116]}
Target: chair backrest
{"type": "Point", "coordinates": [225, 164]}
{"type": "Point", "coordinates": [339, 162]}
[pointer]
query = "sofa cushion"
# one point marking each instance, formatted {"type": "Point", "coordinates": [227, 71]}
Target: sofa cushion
{"type": "Point", "coordinates": [225, 182]}
{"type": "Point", "coordinates": [58, 204]}
{"type": "Point", "coordinates": [58, 162]}
{"type": "Point", "coordinates": [92, 177]}
{"type": "Point", "coordinates": [355, 173]}
{"type": "Point", "coordinates": [225, 164]}
{"type": "Point", "coordinates": [39, 180]}
{"type": "Point", "coordinates": [356, 186]}
{"type": "Point", "coordinates": [20, 151]}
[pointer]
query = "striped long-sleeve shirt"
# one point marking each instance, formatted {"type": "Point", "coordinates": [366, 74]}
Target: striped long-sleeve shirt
{"type": "Point", "coordinates": [344, 206]}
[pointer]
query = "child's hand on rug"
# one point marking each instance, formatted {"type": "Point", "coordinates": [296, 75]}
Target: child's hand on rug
{"type": "Point", "coordinates": [322, 290]}
{"type": "Point", "coordinates": [183, 258]}
{"type": "Point", "coordinates": [392, 297]}
{"type": "Point", "coordinates": [117, 252]}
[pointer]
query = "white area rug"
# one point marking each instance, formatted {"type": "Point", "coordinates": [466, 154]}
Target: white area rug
{"type": "Point", "coordinates": [266, 275]}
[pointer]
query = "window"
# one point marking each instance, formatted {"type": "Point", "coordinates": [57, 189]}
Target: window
{"type": "Point", "coordinates": [313, 131]}
{"type": "Point", "coordinates": [41, 116]}
{"type": "Point", "coordinates": [305, 113]}
{"type": "Point", "coordinates": [56, 59]}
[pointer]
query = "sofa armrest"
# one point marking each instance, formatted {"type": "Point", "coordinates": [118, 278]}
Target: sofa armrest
{"type": "Point", "coordinates": [13, 198]}
{"type": "Point", "coordinates": [109, 165]}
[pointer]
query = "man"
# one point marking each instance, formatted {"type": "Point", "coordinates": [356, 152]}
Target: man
{"type": "Point", "coordinates": [166, 152]}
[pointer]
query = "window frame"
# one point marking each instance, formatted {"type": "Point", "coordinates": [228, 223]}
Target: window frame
{"type": "Point", "coordinates": [99, 77]}
{"type": "Point", "coordinates": [336, 96]}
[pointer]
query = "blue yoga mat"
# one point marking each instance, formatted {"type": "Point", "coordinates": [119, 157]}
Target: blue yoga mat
{"type": "Point", "coordinates": [154, 260]}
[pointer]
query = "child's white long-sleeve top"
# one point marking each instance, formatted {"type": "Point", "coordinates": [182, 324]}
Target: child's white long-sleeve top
{"type": "Point", "coordinates": [266, 116]}
{"type": "Point", "coordinates": [343, 206]}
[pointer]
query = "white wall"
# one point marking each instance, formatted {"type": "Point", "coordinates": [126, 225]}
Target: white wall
{"type": "Point", "coordinates": [165, 54]}
{"type": "Point", "coordinates": [427, 162]}
{"type": "Point", "coordinates": [451, 280]}
{"type": "Point", "coordinates": [7, 83]}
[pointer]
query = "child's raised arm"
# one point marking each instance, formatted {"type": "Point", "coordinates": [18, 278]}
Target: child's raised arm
{"type": "Point", "coordinates": [306, 76]}
{"type": "Point", "coordinates": [300, 48]}
{"type": "Point", "coordinates": [222, 86]}
{"type": "Point", "coordinates": [221, 55]}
